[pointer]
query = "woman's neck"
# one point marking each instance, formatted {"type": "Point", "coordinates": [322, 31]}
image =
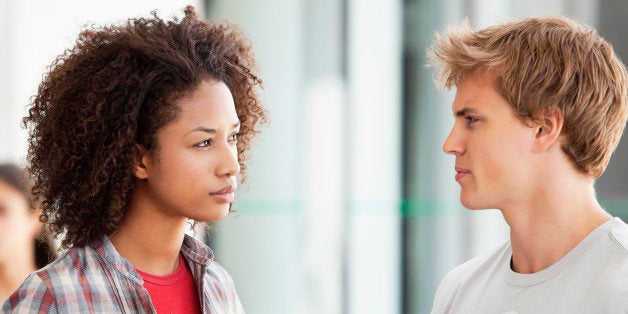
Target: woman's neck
{"type": "Point", "coordinates": [149, 240]}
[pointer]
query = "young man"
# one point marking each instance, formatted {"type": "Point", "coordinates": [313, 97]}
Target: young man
{"type": "Point", "coordinates": [540, 105]}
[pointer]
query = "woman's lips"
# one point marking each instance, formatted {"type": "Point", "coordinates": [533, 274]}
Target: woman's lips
{"type": "Point", "coordinates": [224, 195]}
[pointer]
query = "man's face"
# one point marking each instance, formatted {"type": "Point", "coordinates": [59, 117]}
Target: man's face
{"type": "Point", "coordinates": [493, 148]}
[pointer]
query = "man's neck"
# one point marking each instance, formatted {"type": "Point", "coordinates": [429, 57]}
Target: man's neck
{"type": "Point", "coordinates": [545, 229]}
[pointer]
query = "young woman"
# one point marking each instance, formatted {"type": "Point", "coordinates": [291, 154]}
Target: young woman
{"type": "Point", "coordinates": [137, 130]}
{"type": "Point", "coordinates": [24, 245]}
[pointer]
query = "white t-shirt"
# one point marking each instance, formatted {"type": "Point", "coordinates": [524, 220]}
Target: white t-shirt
{"type": "Point", "coordinates": [591, 278]}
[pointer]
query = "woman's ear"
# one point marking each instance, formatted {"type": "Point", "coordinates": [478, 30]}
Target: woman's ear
{"type": "Point", "coordinates": [548, 127]}
{"type": "Point", "coordinates": [142, 162]}
{"type": "Point", "coordinates": [36, 223]}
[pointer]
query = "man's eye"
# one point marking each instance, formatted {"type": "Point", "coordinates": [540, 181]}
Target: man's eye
{"type": "Point", "coordinates": [471, 119]}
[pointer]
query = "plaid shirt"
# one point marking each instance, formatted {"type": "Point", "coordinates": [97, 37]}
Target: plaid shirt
{"type": "Point", "coordinates": [96, 279]}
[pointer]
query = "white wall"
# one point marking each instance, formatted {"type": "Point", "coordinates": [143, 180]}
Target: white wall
{"type": "Point", "coordinates": [319, 227]}
{"type": "Point", "coordinates": [374, 59]}
{"type": "Point", "coordinates": [34, 32]}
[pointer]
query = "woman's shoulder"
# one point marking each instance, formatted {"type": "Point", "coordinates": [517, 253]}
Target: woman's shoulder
{"type": "Point", "coordinates": [220, 289]}
{"type": "Point", "coordinates": [201, 256]}
{"type": "Point", "coordinates": [218, 286]}
{"type": "Point", "coordinates": [79, 279]}
{"type": "Point", "coordinates": [70, 263]}
{"type": "Point", "coordinates": [39, 291]}
{"type": "Point", "coordinates": [33, 295]}
{"type": "Point", "coordinates": [219, 274]}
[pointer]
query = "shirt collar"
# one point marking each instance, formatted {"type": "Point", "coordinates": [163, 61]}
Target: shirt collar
{"type": "Point", "coordinates": [196, 251]}
{"type": "Point", "coordinates": [192, 249]}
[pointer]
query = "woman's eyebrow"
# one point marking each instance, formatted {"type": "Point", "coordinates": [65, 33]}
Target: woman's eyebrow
{"type": "Point", "coordinates": [210, 130]}
{"type": "Point", "coordinates": [203, 129]}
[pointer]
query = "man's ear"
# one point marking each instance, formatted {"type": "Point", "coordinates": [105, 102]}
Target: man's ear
{"type": "Point", "coordinates": [548, 127]}
{"type": "Point", "coordinates": [142, 162]}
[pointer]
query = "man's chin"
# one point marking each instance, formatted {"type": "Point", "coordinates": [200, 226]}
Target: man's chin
{"type": "Point", "coordinates": [473, 204]}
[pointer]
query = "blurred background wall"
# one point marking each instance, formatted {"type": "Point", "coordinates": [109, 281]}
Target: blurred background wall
{"type": "Point", "coordinates": [349, 206]}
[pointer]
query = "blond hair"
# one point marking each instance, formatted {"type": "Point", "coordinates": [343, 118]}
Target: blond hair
{"type": "Point", "coordinates": [540, 63]}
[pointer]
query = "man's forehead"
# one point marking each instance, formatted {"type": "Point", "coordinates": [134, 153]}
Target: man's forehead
{"type": "Point", "coordinates": [469, 102]}
{"type": "Point", "coordinates": [473, 91]}
{"type": "Point", "coordinates": [481, 77]}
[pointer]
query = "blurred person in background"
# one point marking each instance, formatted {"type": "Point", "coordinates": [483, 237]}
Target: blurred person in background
{"type": "Point", "coordinates": [24, 245]}
{"type": "Point", "coordinates": [138, 130]}
{"type": "Point", "coordinates": [540, 106]}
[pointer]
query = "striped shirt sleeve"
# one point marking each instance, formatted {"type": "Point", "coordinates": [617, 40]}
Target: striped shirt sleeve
{"type": "Point", "coordinates": [32, 296]}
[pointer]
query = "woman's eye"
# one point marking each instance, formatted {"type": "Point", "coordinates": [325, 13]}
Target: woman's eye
{"type": "Point", "coordinates": [205, 143]}
{"type": "Point", "coordinates": [234, 137]}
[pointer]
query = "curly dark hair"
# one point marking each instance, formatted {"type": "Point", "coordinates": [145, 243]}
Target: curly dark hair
{"type": "Point", "coordinates": [114, 90]}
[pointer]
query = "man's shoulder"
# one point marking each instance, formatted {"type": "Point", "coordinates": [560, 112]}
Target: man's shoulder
{"type": "Point", "coordinates": [475, 270]}
{"type": "Point", "coordinates": [610, 256]}
{"type": "Point", "coordinates": [619, 235]}
{"type": "Point", "coordinates": [604, 271]}
{"type": "Point", "coordinates": [490, 258]}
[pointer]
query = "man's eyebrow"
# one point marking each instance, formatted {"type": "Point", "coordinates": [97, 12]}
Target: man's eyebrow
{"type": "Point", "coordinates": [464, 111]}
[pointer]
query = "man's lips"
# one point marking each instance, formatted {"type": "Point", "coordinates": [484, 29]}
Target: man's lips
{"type": "Point", "coordinates": [224, 195]}
{"type": "Point", "coordinates": [461, 173]}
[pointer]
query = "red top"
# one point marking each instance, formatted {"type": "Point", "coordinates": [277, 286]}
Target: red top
{"type": "Point", "coordinates": [173, 293]}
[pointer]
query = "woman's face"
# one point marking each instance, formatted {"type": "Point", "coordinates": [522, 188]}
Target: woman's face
{"type": "Point", "coordinates": [18, 225]}
{"type": "Point", "coordinates": [192, 172]}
